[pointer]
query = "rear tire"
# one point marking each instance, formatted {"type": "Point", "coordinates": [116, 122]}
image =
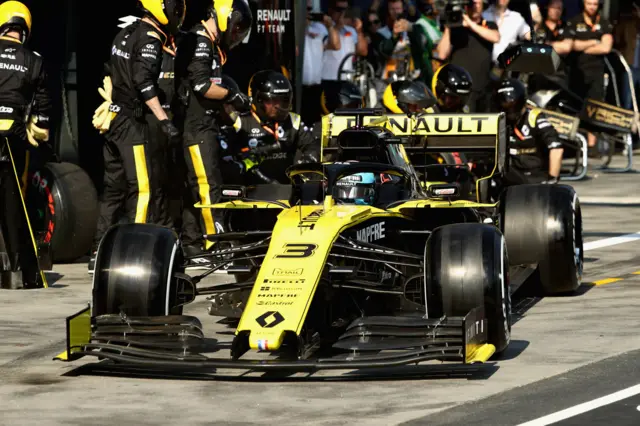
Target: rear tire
{"type": "Point", "coordinates": [64, 210]}
{"type": "Point", "coordinates": [135, 271]}
{"type": "Point", "coordinates": [542, 225]}
{"type": "Point", "coordinates": [466, 268]}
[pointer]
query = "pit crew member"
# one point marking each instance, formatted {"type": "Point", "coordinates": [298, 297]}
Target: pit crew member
{"type": "Point", "coordinates": [452, 86]}
{"type": "Point", "coordinates": [271, 126]}
{"type": "Point", "coordinates": [23, 93]}
{"type": "Point", "coordinates": [535, 149]}
{"type": "Point", "coordinates": [199, 63]}
{"type": "Point", "coordinates": [592, 37]}
{"type": "Point", "coordinates": [134, 69]}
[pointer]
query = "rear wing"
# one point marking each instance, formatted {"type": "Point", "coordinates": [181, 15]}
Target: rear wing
{"type": "Point", "coordinates": [430, 132]}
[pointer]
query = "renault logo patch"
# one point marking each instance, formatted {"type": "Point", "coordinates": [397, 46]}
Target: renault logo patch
{"type": "Point", "coordinates": [270, 319]}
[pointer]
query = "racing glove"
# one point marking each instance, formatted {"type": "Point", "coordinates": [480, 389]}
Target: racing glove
{"type": "Point", "coordinates": [239, 101]}
{"type": "Point", "coordinates": [36, 134]}
{"type": "Point", "coordinates": [172, 132]}
{"type": "Point", "coordinates": [104, 113]}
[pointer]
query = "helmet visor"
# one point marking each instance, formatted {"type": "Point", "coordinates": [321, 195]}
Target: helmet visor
{"type": "Point", "coordinates": [275, 107]}
{"type": "Point", "coordinates": [452, 102]}
{"type": "Point", "coordinates": [238, 29]}
{"type": "Point", "coordinates": [360, 194]}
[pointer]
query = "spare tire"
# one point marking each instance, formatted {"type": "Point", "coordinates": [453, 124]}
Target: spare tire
{"type": "Point", "coordinates": [63, 207]}
{"type": "Point", "coordinates": [543, 225]}
{"type": "Point", "coordinates": [135, 272]}
{"type": "Point", "coordinates": [467, 268]}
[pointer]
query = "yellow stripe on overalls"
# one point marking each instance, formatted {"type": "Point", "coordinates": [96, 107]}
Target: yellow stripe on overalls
{"type": "Point", "coordinates": [142, 176]}
{"type": "Point", "coordinates": [204, 190]}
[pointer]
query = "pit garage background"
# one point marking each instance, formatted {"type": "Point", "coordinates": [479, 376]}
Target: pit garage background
{"type": "Point", "coordinates": [74, 37]}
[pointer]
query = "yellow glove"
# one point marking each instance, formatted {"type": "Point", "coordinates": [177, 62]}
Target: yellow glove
{"type": "Point", "coordinates": [35, 134]}
{"type": "Point", "coordinates": [103, 115]}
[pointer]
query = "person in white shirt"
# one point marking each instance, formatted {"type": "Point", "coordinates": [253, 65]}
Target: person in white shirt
{"type": "Point", "coordinates": [352, 40]}
{"type": "Point", "coordinates": [321, 35]}
{"type": "Point", "coordinates": [511, 25]}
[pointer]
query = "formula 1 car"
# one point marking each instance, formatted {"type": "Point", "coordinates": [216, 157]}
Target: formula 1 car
{"type": "Point", "coordinates": [340, 272]}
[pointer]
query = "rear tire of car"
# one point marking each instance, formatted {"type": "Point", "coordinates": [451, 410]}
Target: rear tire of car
{"type": "Point", "coordinates": [135, 271]}
{"type": "Point", "coordinates": [543, 225]}
{"type": "Point", "coordinates": [67, 209]}
{"type": "Point", "coordinates": [467, 268]}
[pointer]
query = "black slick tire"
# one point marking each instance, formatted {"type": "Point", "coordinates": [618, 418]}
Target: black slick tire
{"type": "Point", "coordinates": [64, 209]}
{"type": "Point", "coordinates": [543, 225]}
{"type": "Point", "coordinates": [467, 268]}
{"type": "Point", "coordinates": [135, 271]}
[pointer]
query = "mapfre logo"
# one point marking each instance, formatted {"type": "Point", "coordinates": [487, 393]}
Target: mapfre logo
{"type": "Point", "coordinates": [287, 272]}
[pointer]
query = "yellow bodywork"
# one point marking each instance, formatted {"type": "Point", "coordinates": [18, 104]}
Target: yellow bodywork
{"type": "Point", "coordinates": [292, 268]}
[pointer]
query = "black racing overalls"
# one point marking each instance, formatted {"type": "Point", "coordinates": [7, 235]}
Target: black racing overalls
{"type": "Point", "coordinates": [23, 94]}
{"type": "Point", "coordinates": [296, 144]}
{"type": "Point", "coordinates": [530, 140]}
{"type": "Point", "coordinates": [199, 65]}
{"type": "Point", "coordinates": [130, 181]}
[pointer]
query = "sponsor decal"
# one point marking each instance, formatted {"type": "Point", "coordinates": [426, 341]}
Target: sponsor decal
{"type": "Point", "coordinates": [281, 272]}
{"type": "Point", "coordinates": [371, 233]}
{"type": "Point", "coordinates": [270, 319]}
{"type": "Point", "coordinates": [117, 52]}
{"type": "Point", "coordinates": [271, 20]}
{"type": "Point", "coordinates": [13, 67]}
{"type": "Point", "coordinates": [6, 109]}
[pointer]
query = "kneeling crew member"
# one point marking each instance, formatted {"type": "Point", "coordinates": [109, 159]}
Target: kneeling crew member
{"type": "Point", "coordinates": [23, 90]}
{"type": "Point", "coordinates": [199, 67]}
{"type": "Point", "coordinates": [534, 145]}
{"type": "Point", "coordinates": [134, 68]}
{"type": "Point", "coordinates": [272, 124]}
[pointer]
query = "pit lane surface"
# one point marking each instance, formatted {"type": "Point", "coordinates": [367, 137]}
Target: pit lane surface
{"type": "Point", "coordinates": [551, 337]}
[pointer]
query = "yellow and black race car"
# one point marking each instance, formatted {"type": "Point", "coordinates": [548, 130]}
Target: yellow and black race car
{"type": "Point", "coordinates": [361, 262]}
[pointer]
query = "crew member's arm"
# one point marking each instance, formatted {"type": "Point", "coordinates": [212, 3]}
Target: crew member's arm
{"type": "Point", "coordinates": [578, 45]}
{"type": "Point", "coordinates": [489, 32]}
{"type": "Point", "coordinates": [42, 105]}
{"type": "Point", "coordinates": [307, 145]}
{"type": "Point", "coordinates": [199, 71]}
{"type": "Point", "coordinates": [146, 70]}
{"type": "Point", "coordinates": [564, 45]}
{"type": "Point", "coordinates": [603, 46]}
{"type": "Point", "coordinates": [547, 136]}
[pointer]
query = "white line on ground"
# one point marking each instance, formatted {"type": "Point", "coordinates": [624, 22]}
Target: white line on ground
{"type": "Point", "coordinates": [613, 241]}
{"type": "Point", "coordinates": [620, 201]}
{"type": "Point", "coordinates": [584, 407]}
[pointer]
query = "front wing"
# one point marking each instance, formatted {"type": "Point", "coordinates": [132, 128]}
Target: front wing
{"type": "Point", "coordinates": [178, 343]}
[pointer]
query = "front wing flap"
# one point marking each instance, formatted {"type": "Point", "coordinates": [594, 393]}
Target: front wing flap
{"type": "Point", "coordinates": [177, 343]}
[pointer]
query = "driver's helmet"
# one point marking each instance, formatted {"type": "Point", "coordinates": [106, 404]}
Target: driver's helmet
{"type": "Point", "coordinates": [358, 189]}
{"type": "Point", "coordinates": [452, 85]}
{"type": "Point", "coordinates": [407, 97]}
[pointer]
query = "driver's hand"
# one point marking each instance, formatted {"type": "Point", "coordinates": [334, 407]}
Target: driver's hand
{"type": "Point", "coordinates": [327, 21]}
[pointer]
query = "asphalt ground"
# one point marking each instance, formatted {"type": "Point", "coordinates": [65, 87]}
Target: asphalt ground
{"type": "Point", "coordinates": [557, 344]}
